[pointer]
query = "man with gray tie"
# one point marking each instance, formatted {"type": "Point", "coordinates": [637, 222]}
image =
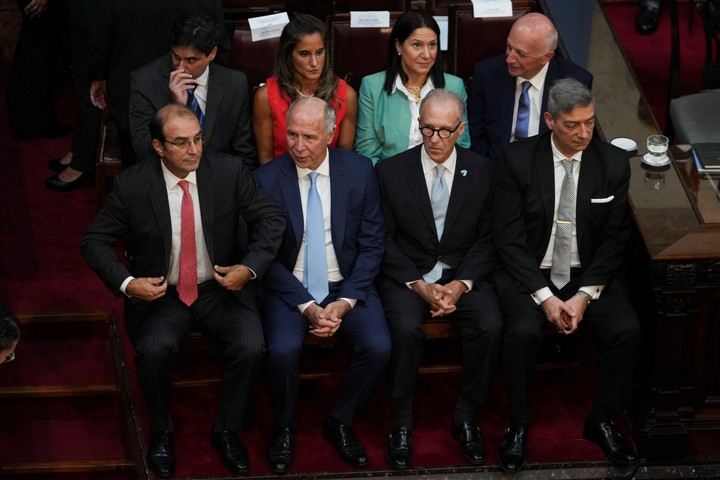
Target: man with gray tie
{"type": "Point", "coordinates": [321, 283]}
{"type": "Point", "coordinates": [509, 92]}
{"type": "Point", "coordinates": [438, 257]}
{"type": "Point", "coordinates": [560, 223]}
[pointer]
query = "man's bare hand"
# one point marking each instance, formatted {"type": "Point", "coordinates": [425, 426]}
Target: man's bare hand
{"type": "Point", "coordinates": [180, 83]}
{"type": "Point", "coordinates": [98, 94]}
{"type": "Point", "coordinates": [559, 313]}
{"type": "Point", "coordinates": [36, 8]}
{"type": "Point", "coordinates": [321, 325]}
{"type": "Point", "coordinates": [147, 288]}
{"type": "Point", "coordinates": [579, 304]}
{"type": "Point", "coordinates": [434, 294]}
{"type": "Point", "coordinates": [232, 278]}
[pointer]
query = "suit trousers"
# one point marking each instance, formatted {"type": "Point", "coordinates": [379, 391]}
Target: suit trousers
{"type": "Point", "coordinates": [611, 323]}
{"type": "Point", "coordinates": [87, 132]}
{"type": "Point", "coordinates": [157, 331]}
{"type": "Point", "coordinates": [363, 329]}
{"type": "Point", "coordinates": [477, 317]}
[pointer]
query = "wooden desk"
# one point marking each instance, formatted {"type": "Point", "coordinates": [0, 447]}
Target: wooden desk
{"type": "Point", "coordinates": [676, 256]}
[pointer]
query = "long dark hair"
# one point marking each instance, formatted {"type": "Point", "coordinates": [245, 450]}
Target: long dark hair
{"type": "Point", "coordinates": [300, 26]}
{"type": "Point", "coordinates": [404, 27]}
{"type": "Point", "coordinates": [9, 327]}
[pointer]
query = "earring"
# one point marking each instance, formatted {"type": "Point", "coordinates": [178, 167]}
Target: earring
{"type": "Point", "coordinates": [399, 54]}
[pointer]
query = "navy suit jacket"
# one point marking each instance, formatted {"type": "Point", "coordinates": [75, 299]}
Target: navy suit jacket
{"type": "Point", "coordinates": [138, 208]}
{"type": "Point", "coordinates": [412, 244]}
{"type": "Point", "coordinates": [358, 231]}
{"type": "Point", "coordinates": [227, 112]}
{"type": "Point", "coordinates": [492, 101]}
{"type": "Point", "coordinates": [524, 207]}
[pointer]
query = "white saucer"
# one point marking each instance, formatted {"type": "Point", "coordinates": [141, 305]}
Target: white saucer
{"type": "Point", "coordinates": [625, 143]}
{"type": "Point", "coordinates": [649, 159]}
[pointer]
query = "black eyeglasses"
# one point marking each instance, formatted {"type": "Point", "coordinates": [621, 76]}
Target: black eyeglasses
{"type": "Point", "coordinates": [10, 358]}
{"type": "Point", "coordinates": [184, 143]}
{"type": "Point", "coordinates": [443, 133]}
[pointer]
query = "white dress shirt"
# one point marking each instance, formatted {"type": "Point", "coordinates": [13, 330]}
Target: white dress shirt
{"type": "Point", "coordinates": [201, 89]}
{"type": "Point", "coordinates": [414, 136]}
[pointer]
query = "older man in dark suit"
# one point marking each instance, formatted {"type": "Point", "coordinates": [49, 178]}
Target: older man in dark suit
{"type": "Point", "coordinates": [560, 224]}
{"type": "Point", "coordinates": [187, 270]}
{"type": "Point", "coordinates": [509, 92]}
{"type": "Point", "coordinates": [188, 74]}
{"type": "Point", "coordinates": [438, 256]}
{"type": "Point", "coordinates": [322, 281]}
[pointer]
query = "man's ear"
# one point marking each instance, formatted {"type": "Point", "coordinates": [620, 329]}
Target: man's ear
{"type": "Point", "coordinates": [157, 145]}
{"type": "Point", "coordinates": [548, 120]}
{"type": "Point", "coordinates": [212, 54]}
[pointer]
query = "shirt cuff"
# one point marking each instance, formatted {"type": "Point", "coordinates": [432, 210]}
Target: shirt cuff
{"type": "Point", "coordinates": [410, 284]}
{"type": "Point", "coordinates": [351, 301]}
{"type": "Point", "coordinates": [124, 285]}
{"type": "Point", "coordinates": [593, 290]}
{"type": "Point", "coordinates": [303, 306]}
{"type": "Point", "coordinates": [254, 275]}
{"type": "Point", "coordinates": [541, 295]}
{"type": "Point", "coordinates": [469, 284]}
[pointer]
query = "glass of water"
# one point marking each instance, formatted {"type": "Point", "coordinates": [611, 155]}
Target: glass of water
{"type": "Point", "coordinates": [657, 145]}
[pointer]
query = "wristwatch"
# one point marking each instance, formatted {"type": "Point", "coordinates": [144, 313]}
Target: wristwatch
{"type": "Point", "coordinates": [586, 296]}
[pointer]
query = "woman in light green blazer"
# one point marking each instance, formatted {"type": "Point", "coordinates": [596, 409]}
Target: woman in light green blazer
{"type": "Point", "coordinates": [388, 104]}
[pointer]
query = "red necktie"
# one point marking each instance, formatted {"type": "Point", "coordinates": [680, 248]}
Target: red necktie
{"type": "Point", "coordinates": [187, 276]}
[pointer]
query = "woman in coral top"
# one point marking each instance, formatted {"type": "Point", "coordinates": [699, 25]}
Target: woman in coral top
{"type": "Point", "coordinates": [302, 69]}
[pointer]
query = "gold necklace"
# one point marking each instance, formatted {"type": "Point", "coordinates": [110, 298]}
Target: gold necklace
{"type": "Point", "coordinates": [302, 94]}
{"type": "Point", "coordinates": [415, 90]}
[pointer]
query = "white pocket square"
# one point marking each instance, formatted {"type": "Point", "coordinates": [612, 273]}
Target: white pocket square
{"type": "Point", "coordinates": [602, 200]}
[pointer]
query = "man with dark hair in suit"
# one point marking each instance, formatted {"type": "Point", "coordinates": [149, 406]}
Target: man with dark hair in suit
{"type": "Point", "coordinates": [438, 256]}
{"type": "Point", "coordinates": [560, 224]}
{"type": "Point", "coordinates": [188, 75]}
{"type": "Point", "coordinates": [509, 92]}
{"type": "Point", "coordinates": [188, 270]}
{"type": "Point", "coordinates": [322, 280]}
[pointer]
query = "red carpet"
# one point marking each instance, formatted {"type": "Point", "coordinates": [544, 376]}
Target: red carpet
{"type": "Point", "coordinates": [41, 270]}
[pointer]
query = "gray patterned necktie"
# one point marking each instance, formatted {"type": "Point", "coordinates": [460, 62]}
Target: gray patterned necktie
{"type": "Point", "coordinates": [560, 270]}
{"type": "Point", "coordinates": [439, 198]}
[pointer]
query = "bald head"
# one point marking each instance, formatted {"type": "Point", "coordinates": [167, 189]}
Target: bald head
{"type": "Point", "coordinates": [530, 45]}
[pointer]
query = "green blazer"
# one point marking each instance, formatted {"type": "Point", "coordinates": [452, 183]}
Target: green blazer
{"type": "Point", "coordinates": [383, 121]}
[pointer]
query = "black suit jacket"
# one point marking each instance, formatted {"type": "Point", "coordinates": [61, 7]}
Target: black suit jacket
{"type": "Point", "coordinates": [227, 113]}
{"type": "Point", "coordinates": [127, 34]}
{"type": "Point", "coordinates": [524, 205]}
{"type": "Point", "coordinates": [492, 101]}
{"type": "Point", "coordinates": [412, 247]}
{"type": "Point", "coordinates": [138, 208]}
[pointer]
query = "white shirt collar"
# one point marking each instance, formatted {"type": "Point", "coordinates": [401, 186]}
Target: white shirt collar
{"type": "Point", "coordinates": [557, 154]}
{"type": "Point", "coordinates": [398, 85]}
{"type": "Point", "coordinates": [203, 79]}
{"type": "Point", "coordinates": [428, 163]}
{"type": "Point", "coordinates": [323, 169]}
{"type": "Point", "coordinates": [538, 81]}
{"type": "Point", "coordinates": [171, 180]}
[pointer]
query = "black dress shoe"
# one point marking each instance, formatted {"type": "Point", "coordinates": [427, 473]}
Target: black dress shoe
{"type": "Point", "coordinates": [161, 454]}
{"type": "Point", "coordinates": [54, 183]}
{"type": "Point", "coordinates": [616, 449]}
{"type": "Point", "coordinates": [280, 451]}
{"type": "Point", "coordinates": [233, 452]}
{"type": "Point", "coordinates": [471, 443]}
{"type": "Point", "coordinates": [342, 438]}
{"type": "Point", "coordinates": [511, 452]}
{"type": "Point", "coordinates": [648, 17]}
{"type": "Point", "coordinates": [55, 165]}
{"type": "Point", "coordinates": [399, 449]}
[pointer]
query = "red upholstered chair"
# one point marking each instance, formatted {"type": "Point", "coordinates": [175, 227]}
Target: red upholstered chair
{"type": "Point", "coordinates": [356, 52]}
{"type": "Point", "coordinates": [473, 39]}
{"type": "Point", "coordinates": [255, 59]}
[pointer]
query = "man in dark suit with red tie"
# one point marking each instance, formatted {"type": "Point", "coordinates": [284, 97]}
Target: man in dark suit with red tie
{"type": "Point", "coordinates": [560, 223]}
{"type": "Point", "coordinates": [509, 92]}
{"type": "Point", "coordinates": [438, 258]}
{"type": "Point", "coordinates": [322, 280]}
{"type": "Point", "coordinates": [188, 269]}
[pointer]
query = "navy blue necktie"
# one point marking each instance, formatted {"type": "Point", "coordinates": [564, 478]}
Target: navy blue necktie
{"type": "Point", "coordinates": [523, 114]}
{"type": "Point", "coordinates": [192, 102]}
{"type": "Point", "coordinates": [316, 275]}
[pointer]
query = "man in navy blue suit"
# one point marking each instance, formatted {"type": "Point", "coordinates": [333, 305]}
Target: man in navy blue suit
{"type": "Point", "coordinates": [338, 189]}
{"type": "Point", "coordinates": [497, 86]}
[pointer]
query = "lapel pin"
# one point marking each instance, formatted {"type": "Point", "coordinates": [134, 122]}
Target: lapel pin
{"type": "Point", "coordinates": [463, 173]}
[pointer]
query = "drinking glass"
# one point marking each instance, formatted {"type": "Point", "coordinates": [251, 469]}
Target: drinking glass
{"type": "Point", "coordinates": [657, 145]}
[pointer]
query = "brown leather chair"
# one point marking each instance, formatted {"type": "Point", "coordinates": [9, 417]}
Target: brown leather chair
{"type": "Point", "coordinates": [370, 5]}
{"type": "Point", "coordinates": [107, 160]}
{"type": "Point", "coordinates": [473, 39]}
{"type": "Point", "coordinates": [357, 52]}
{"type": "Point", "coordinates": [255, 59]}
{"type": "Point", "coordinates": [243, 9]}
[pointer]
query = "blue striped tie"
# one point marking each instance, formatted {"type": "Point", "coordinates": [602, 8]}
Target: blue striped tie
{"type": "Point", "coordinates": [523, 114]}
{"type": "Point", "coordinates": [192, 102]}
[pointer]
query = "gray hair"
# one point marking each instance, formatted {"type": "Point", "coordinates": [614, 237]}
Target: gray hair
{"type": "Point", "coordinates": [328, 111]}
{"type": "Point", "coordinates": [566, 94]}
{"type": "Point", "coordinates": [442, 95]}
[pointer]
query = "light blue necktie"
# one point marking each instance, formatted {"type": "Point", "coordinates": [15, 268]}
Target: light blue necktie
{"type": "Point", "coordinates": [192, 102]}
{"type": "Point", "coordinates": [523, 114]}
{"type": "Point", "coordinates": [439, 198]}
{"type": "Point", "coordinates": [316, 276]}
